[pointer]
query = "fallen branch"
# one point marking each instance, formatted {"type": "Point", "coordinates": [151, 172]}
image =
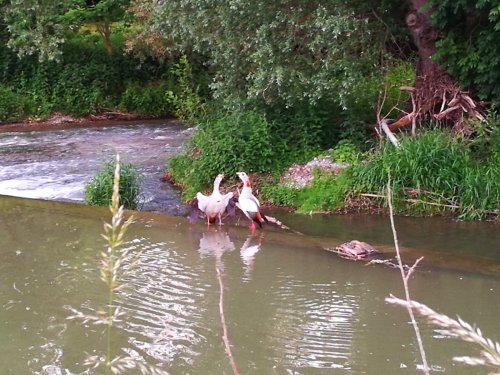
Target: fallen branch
{"type": "Point", "coordinates": [390, 136]}
{"type": "Point", "coordinates": [419, 201]}
{"type": "Point", "coordinates": [402, 122]}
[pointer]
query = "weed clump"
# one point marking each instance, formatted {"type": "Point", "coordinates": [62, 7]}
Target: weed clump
{"type": "Point", "coordinates": [99, 190]}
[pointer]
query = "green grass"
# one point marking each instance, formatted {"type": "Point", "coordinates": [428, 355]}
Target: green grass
{"type": "Point", "coordinates": [432, 174]}
{"type": "Point", "coordinates": [99, 190]}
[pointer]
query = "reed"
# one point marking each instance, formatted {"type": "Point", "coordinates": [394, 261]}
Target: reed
{"type": "Point", "coordinates": [489, 354]}
{"type": "Point", "coordinates": [405, 276]}
{"type": "Point", "coordinates": [116, 261]}
{"type": "Point", "coordinates": [434, 173]}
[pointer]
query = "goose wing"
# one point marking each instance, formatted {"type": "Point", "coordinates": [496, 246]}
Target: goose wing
{"type": "Point", "coordinates": [203, 201]}
{"type": "Point", "coordinates": [249, 203]}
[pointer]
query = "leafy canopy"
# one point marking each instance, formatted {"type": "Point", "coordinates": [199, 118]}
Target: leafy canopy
{"type": "Point", "coordinates": [287, 51]}
{"type": "Point", "coordinates": [470, 49]}
{"type": "Point", "coordinates": [42, 26]}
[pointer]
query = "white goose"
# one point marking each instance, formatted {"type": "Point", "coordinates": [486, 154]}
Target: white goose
{"type": "Point", "coordinates": [214, 205]}
{"type": "Point", "coordinates": [248, 203]}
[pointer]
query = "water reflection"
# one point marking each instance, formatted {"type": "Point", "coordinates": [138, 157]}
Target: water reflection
{"type": "Point", "coordinates": [215, 242]}
{"type": "Point", "coordinates": [248, 250]}
{"type": "Point", "coordinates": [315, 325]}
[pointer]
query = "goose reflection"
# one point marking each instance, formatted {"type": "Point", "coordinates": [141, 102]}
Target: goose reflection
{"type": "Point", "coordinates": [215, 242]}
{"type": "Point", "coordinates": [248, 250]}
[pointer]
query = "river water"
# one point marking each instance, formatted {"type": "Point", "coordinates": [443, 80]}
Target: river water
{"type": "Point", "coordinates": [56, 164]}
{"type": "Point", "coordinates": [285, 305]}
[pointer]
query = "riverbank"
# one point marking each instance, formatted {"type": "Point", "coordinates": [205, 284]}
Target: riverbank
{"type": "Point", "coordinates": [59, 121]}
{"type": "Point", "coordinates": [294, 187]}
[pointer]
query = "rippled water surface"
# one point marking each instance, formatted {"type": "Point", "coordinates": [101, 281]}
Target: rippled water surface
{"type": "Point", "coordinates": [288, 306]}
{"type": "Point", "coordinates": [276, 300]}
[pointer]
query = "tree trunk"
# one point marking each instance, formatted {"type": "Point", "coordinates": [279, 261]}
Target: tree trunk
{"type": "Point", "coordinates": [104, 29]}
{"type": "Point", "coordinates": [435, 93]}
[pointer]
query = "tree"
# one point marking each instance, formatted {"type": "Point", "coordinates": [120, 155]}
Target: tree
{"type": "Point", "coordinates": [278, 52]}
{"type": "Point", "coordinates": [101, 13]}
{"type": "Point", "coordinates": [42, 26]}
{"type": "Point", "coordinates": [468, 48]}
{"type": "Point", "coordinates": [34, 27]}
{"type": "Point", "coordinates": [436, 93]}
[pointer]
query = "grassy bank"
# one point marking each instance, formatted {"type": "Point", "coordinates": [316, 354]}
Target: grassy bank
{"type": "Point", "coordinates": [435, 173]}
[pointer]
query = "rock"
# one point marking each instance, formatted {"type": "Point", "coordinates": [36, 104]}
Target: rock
{"type": "Point", "coordinates": [299, 176]}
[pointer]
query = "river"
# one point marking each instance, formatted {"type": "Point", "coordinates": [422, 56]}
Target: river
{"type": "Point", "coordinates": [285, 305]}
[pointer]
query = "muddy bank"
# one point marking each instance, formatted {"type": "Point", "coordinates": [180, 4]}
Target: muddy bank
{"type": "Point", "coordinates": [59, 122]}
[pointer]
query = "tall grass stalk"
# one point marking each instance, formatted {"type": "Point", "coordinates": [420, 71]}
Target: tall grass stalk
{"type": "Point", "coordinates": [489, 354]}
{"type": "Point", "coordinates": [115, 263]}
{"type": "Point", "coordinates": [112, 259]}
{"type": "Point", "coordinates": [405, 276]}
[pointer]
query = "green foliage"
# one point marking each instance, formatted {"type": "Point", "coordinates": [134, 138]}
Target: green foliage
{"type": "Point", "coordinates": [470, 49]}
{"type": "Point", "coordinates": [293, 51]}
{"type": "Point", "coordinates": [298, 132]}
{"type": "Point", "coordinates": [99, 190]}
{"type": "Point", "coordinates": [184, 98]}
{"type": "Point", "coordinates": [145, 100]}
{"type": "Point", "coordinates": [344, 152]}
{"type": "Point", "coordinates": [435, 168]}
{"type": "Point", "coordinates": [13, 106]}
{"type": "Point", "coordinates": [380, 89]}
{"type": "Point", "coordinates": [480, 190]}
{"type": "Point", "coordinates": [434, 159]}
{"type": "Point", "coordinates": [281, 195]}
{"type": "Point", "coordinates": [327, 192]}
{"type": "Point", "coordinates": [35, 29]}
{"type": "Point", "coordinates": [85, 81]}
{"type": "Point", "coordinates": [41, 27]}
{"type": "Point", "coordinates": [225, 144]}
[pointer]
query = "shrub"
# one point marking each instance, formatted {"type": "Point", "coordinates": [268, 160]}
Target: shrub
{"type": "Point", "coordinates": [99, 190]}
{"type": "Point", "coordinates": [12, 105]}
{"type": "Point", "coordinates": [281, 195]}
{"type": "Point", "coordinates": [327, 192]}
{"type": "Point", "coordinates": [344, 152]}
{"type": "Point", "coordinates": [184, 98]}
{"type": "Point", "coordinates": [239, 141]}
{"type": "Point", "coordinates": [145, 100]}
{"type": "Point", "coordinates": [86, 80]}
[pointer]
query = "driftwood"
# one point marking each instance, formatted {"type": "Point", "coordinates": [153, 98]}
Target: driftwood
{"type": "Point", "coordinates": [457, 109]}
{"type": "Point", "coordinates": [390, 136]}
